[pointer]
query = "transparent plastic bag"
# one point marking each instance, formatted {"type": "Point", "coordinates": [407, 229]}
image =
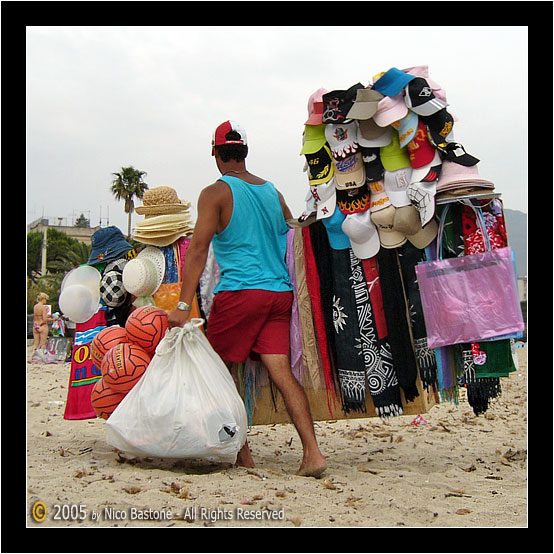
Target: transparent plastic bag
{"type": "Point", "coordinates": [186, 405]}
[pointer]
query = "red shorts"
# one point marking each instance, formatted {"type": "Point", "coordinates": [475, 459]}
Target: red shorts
{"type": "Point", "coordinates": [250, 321]}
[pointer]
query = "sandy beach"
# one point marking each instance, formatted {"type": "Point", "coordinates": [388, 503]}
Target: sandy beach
{"type": "Point", "coordinates": [458, 470]}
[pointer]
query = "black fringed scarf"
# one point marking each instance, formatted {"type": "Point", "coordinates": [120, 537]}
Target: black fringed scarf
{"type": "Point", "coordinates": [397, 323]}
{"type": "Point", "coordinates": [409, 257]}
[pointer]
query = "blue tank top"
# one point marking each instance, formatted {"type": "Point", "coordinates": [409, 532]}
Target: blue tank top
{"type": "Point", "coordinates": [251, 250]}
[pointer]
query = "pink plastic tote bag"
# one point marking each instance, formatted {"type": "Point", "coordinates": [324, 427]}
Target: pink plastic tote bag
{"type": "Point", "coordinates": [469, 298]}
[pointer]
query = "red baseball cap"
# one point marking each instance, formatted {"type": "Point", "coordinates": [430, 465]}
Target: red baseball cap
{"type": "Point", "coordinates": [421, 150]}
{"type": "Point", "coordinates": [218, 138]}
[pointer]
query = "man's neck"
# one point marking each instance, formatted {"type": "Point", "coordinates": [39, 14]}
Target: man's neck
{"type": "Point", "coordinates": [233, 168]}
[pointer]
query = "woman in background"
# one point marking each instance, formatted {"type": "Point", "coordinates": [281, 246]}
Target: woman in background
{"type": "Point", "coordinates": [41, 317]}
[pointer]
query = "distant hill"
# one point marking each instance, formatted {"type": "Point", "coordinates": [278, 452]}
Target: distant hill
{"type": "Point", "coordinates": [516, 225]}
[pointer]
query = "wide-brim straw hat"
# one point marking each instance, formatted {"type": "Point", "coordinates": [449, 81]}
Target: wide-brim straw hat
{"type": "Point", "coordinates": [161, 200]}
{"type": "Point", "coordinates": [163, 230]}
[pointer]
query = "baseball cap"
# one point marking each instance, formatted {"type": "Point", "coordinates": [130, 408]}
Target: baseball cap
{"type": "Point", "coordinates": [320, 166]}
{"type": "Point", "coordinates": [394, 157]}
{"type": "Point", "coordinates": [383, 220]}
{"type": "Point", "coordinates": [429, 172]}
{"type": "Point", "coordinates": [333, 225]}
{"type": "Point", "coordinates": [422, 196]}
{"type": "Point", "coordinates": [363, 234]}
{"type": "Point", "coordinates": [406, 128]}
{"type": "Point", "coordinates": [342, 138]}
{"type": "Point", "coordinates": [455, 152]}
{"type": "Point", "coordinates": [378, 196]}
{"type": "Point", "coordinates": [389, 109]}
{"type": "Point", "coordinates": [371, 135]}
{"type": "Point", "coordinates": [407, 221]}
{"type": "Point", "coordinates": [350, 172]}
{"type": "Point", "coordinates": [325, 197]}
{"type": "Point", "coordinates": [439, 126]}
{"type": "Point", "coordinates": [374, 169]}
{"type": "Point", "coordinates": [315, 107]}
{"type": "Point", "coordinates": [365, 104]}
{"type": "Point", "coordinates": [420, 149]}
{"type": "Point", "coordinates": [218, 137]}
{"type": "Point", "coordinates": [396, 185]}
{"type": "Point", "coordinates": [314, 138]}
{"type": "Point", "coordinates": [392, 82]}
{"type": "Point", "coordinates": [351, 201]}
{"type": "Point", "coordinates": [419, 97]}
{"type": "Point", "coordinates": [337, 104]}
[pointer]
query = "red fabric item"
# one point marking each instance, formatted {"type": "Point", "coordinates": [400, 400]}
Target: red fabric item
{"type": "Point", "coordinates": [250, 321]}
{"type": "Point", "coordinates": [84, 373]}
{"type": "Point", "coordinates": [376, 296]}
{"type": "Point", "coordinates": [312, 282]}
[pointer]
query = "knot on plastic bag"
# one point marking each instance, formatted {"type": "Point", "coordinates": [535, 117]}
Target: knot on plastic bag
{"type": "Point", "coordinates": [177, 335]}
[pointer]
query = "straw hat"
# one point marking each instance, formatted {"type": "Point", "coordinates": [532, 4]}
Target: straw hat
{"type": "Point", "coordinates": [161, 200]}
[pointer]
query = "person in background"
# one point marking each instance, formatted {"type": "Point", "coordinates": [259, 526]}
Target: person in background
{"type": "Point", "coordinates": [41, 317]}
{"type": "Point", "coordinates": [244, 215]}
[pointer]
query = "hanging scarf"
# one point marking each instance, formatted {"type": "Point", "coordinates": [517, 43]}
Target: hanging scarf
{"type": "Point", "coordinates": [374, 346]}
{"type": "Point", "coordinates": [409, 257]}
{"type": "Point", "coordinates": [313, 283]}
{"type": "Point", "coordinates": [296, 363]}
{"type": "Point", "coordinates": [397, 323]}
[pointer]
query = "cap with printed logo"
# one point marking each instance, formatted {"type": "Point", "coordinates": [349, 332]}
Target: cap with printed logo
{"type": "Point", "coordinates": [379, 199]}
{"type": "Point", "coordinates": [374, 169]}
{"type": "Point", "coordinates": [420, 148]}
{"type": "Point", "coordinates": [406, 128]}
{"type": "Point", "coordinates": [419, 97]}
{"type": "Point", "coordinates": [363, 234]}
{"type": "Point", "coordinates": [429, 172]}
{"type": "Point", "coordinates": [350, 172]}
{"type": "Point", "coordinates": [320, 166]}
{"type": "Point", "coordinates": [219, 135]}
{"type": "Point", "coordinates": [337, 104]}
{"type": "Point", "coordinates": [383, 220]}
{"type": "Point", "coordinates": [342, 138]}
{"type": "Point", "coordinates": [396, 185]}
{"type": "Point", "coordinates": [325, 198]}
{"type": "Point", "coordinates": [351, 201]}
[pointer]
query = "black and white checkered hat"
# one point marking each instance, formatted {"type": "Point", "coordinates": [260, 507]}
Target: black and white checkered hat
{"type": "Point", "coordinates": [112, 291]}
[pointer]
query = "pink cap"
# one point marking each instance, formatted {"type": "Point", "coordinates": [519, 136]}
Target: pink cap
{"type": "Point", "coordinates": [316, 97]}
{"type": "Point", "coordinates": [390, 109]}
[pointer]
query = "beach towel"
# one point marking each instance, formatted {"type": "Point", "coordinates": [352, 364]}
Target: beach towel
{"type": "Point", "coordinates": [84, 373]}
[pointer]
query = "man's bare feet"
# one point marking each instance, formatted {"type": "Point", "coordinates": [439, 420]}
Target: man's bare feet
{"type": "Point", "coordinates": [313, 467]}
{"type": "Point", "coordinates": [244, 458]}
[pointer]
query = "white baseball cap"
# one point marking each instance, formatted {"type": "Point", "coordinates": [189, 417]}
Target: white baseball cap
{"type": "Point", "coordinates": [363, 234]}
{"type": "Point", "coordinates": [325, 198]}
{"type": "Point", "coordinates": [396, 185]}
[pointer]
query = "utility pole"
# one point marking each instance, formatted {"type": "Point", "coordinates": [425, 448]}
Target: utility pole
{"type": "Point", "coordinates": [43, 257]}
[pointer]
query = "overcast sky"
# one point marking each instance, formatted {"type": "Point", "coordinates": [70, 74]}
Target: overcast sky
{"type": "Point", "coordinates": [100, 98]}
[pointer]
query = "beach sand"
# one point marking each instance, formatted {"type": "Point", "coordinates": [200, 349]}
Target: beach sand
{"type": "Point", "coordinates": [458, 470]}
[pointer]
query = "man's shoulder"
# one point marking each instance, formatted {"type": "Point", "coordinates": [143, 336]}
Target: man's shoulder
{"type": "Point", "coordinates": [216, 191]}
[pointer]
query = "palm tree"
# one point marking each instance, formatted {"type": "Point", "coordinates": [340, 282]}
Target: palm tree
{"type": "Point", "coordinates": [127, 184]}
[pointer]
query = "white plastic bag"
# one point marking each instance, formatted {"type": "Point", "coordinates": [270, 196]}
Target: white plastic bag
{"type": "Point", "coordinates": [186, 404]}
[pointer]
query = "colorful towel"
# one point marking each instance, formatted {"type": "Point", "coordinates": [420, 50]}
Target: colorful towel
{"type": "Point", "coordinates": [84, 373]}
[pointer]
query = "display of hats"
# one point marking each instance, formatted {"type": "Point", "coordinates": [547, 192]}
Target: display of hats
{"type": "Point", "coordinates": [320, 166]}
{"type": "Point", "coordinates": [143, 275]}
{"type": "Point", "coordinates": [314, 139]}
{"type": "Point", "coordinates": [107, 244]}
{"type": "Point", "coordinates": [379, 198]}
{"type": "Point", "coordinates": [396, 185]}
{"type": "Point", "coordinates": [390, 109]}
{"type": "Point", "coordinates": [112, 291]}
{"type": "Point", "coordinates": [392, 82]}
{"type": "Point", "coordinates": [337, 104]}
{"type": "Point", "coordinates": [407, 221]}
{"type": "Point", "coordinates": [406, 128]}
{"type": "Point", "coordinates": [350, 172]}
{"type": "Point", "coordinates": [338, 240]}
{"type": "Point", "coordinates": [422, 196]}
{"type": "Point", "coordinates": [351, 201]}
{"type": "Point", "coordinates": [383, 220]}
{"type": "Point", "coordinates": [393, 157]}
{"type": "Point", "coordinates": [161, 200]}
{"type": "Point", "coordinates": [342, 139]}
{"type": "Point", "coordinates": [315, 107]}
{"type": "Point", "coordinates": [371, 135]}
{"type": "Point", "coordinates": [363, 234]}
{"type": "Point", "coordinates": [325, 197]}
{"type": "Point", "coordinates": [420, 149]}
{"type": "Point", "coordinates": [374, 169]}
{"type": "Point", "coordinates": [420, 98]}
{"type": "Point", "coordinates": [163, 230]}
{"type": "Point", "coordinates": [365, 105]}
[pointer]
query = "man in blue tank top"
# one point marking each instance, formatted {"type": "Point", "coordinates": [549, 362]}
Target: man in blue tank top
{"type": "Point", "coordinates": [244, 217]}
